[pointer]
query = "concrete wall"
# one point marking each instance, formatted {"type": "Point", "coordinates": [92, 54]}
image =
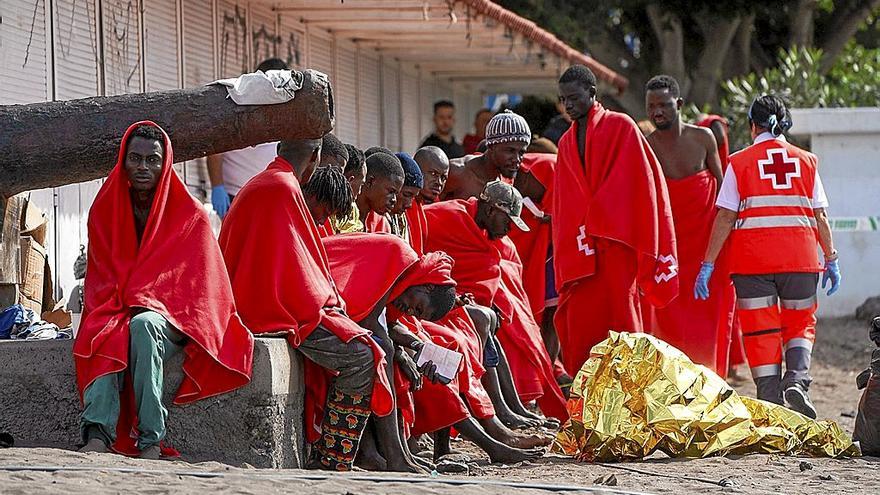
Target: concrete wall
{"type": "Point", "coordinates": [260, 424]}
{"type": "Point", "coordinates": [847, 142]}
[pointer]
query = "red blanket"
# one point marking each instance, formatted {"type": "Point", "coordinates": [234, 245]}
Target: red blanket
{"type": "Point", "coordinates": [280, 273]}
{"type": "Point", "coordinates": [492, 272]}
{"type": "Point", "coordinates": [692, 325]}
{"type": "Point", "coordinates": [418, 226]}
{"type": "Point", "coordinates": [376, 223]}
{"type": "Point", "coordinates": [364, 281]}
{"type": "Point", "coordinates": [177, 271]}
{"type": "Point", "coordinates": [620, 194]}
{"type": "Point", "coordinates": [724, 145]}
{"type": "Point", "coordinates": [533, 246]}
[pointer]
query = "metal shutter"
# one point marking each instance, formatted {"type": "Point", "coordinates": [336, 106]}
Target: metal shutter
{"type": "Point", "coordinates": [161, 57]}
{"type": "Point", "coordinates": [410, 111]}
{"type": "Point", "coordinates": [292, 48]}
{"type": "Point", "coordinates": [321, 52]}
{"type": "Point", "coordinates": [233, 38]}
{"type": "Point", "coordinates": [76, 48]}
{"type": "Point", "coordinates": [24, 57]}
{"type": "Point", "coordinates": [122, 50]}
{"type": "Point", "coordinates": [369, 113]}
{"type": "Point", "coordinates": [391, 104]}
{"type": "Point", "coordinates": [345, 93]}
{"type": "Point", "coordinates": [198, 42]}
{"type": "Point", "coordinates": [263, 37]}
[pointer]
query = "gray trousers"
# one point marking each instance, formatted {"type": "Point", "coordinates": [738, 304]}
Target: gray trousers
{"type": "Point", "coordinates": [353, 361]}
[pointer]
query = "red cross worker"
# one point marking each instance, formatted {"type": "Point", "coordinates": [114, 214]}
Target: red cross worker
{"type": "Point", "coordinates": [772, 207]}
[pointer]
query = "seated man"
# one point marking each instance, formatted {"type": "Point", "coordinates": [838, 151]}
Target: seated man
{"type": "Point", "coordinates": [474, 233]}
{"type": "Point", "coordinates": [328, 195]}
{"type": "Point", "coordinates": [398, 217]}
{"type": "Point", "coordinates": [379, 194]}
{"type": "Point", "coordinates": [282, 285]}
{"type": "Point", "coordinates": [356, 173]}
{"type": "Point", "coordinates": [147, 297]}
{"type": "Point", "coordinates": [381, 276]}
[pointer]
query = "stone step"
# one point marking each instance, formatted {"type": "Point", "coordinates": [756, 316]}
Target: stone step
{"type": "Point", "coordinates": [260, 424]}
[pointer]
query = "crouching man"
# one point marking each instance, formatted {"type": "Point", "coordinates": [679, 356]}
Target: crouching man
{"type": "Point", "coordinates": [156, 286]}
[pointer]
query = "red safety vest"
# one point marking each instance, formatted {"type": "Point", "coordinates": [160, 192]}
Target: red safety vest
{"type": "Point", "coordinates": [775, 230]}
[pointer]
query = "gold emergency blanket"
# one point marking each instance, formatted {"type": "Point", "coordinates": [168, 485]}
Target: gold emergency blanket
{"type": "Point", "coordinates": [637, 395]}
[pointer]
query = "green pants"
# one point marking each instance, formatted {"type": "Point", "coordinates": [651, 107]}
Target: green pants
{"type": "Point", "coordinates": [153, 341]}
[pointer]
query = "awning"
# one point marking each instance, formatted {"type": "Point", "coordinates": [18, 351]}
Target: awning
{"type": "Point", "coordinates": [474, 41]}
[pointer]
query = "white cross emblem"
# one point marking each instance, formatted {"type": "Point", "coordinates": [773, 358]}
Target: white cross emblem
{"type": "Point", "coordinates": [668, 269]}
{"type": "Point", "coordinates": [582, 242]}
{"type": "Point", "coordinates": [779, 168]}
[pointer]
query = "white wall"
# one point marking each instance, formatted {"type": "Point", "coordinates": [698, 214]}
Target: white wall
{"type": "Point", "coordinates": [847, 142]}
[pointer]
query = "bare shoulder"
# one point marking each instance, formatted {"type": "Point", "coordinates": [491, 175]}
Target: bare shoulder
{"type": "Point", "coordinates": [702, 135]}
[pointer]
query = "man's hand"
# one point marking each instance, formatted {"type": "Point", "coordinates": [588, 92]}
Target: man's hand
{"type": "Point", "coordinates": [429, 371]}
{"type": "Point", "coordinates": [220, 200]}
{"type": "Point", "coordinates": [408, 368]}
{"type": "Point", "coordinates": [701, 287]}
{"type": "Point", "coordinates": [832, 273]}
{"type": "Point", "coordinates": [545, 219]}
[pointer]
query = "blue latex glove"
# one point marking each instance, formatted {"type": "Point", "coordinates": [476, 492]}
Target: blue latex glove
{"type": "Point", "coordinates": [220, 200]}
{"type": "Point", "coordinates": [701, 287]}
{"type": "Point", "coordinates": [832, 273]}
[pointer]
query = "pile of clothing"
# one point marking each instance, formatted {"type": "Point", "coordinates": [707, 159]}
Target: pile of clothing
{"type": "Point", "coordinates": [20, 323]}
{"type": "Point", "coordinates": [637, 395]}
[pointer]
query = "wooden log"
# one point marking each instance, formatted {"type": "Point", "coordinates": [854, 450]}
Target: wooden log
{"type": "Point", "coordinates": [57, 143]}
{"type": "Point", "coordinates": [10, 217]}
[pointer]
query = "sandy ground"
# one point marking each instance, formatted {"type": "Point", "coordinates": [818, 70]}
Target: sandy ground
{"type": "Point", "coordinates": [841, 352]}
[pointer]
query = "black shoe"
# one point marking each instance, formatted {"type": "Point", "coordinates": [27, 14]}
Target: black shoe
{"type": "Point", "coordinates": [798, 400]}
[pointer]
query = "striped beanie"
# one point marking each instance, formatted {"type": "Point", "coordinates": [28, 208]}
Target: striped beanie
{"type": "Point", "coordinates": [506, 127]}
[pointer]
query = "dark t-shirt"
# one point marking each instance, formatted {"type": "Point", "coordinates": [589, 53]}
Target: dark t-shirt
{"type": "Point", "coordinates": [452, 149]}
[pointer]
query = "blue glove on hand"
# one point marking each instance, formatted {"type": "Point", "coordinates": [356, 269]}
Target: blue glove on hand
{"type": "Point", "coordinates": [701, 288]}
{"type": "Point", "coordinates": [832, 273]}
{"type": "Point", "coordinates": [220, 200]}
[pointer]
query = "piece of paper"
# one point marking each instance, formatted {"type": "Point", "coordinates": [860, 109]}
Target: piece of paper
{"type": "Point", "coordinates": [532, 207]}
{"type": "Point", "coordinates": [447, 361]}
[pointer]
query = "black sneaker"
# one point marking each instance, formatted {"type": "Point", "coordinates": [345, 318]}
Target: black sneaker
{"type": "Point", "coordinates": [798, 400]}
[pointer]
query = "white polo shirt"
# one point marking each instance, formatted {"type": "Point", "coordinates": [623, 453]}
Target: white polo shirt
{"type": "Point", "coordinates": [728, 196]}
{"type": "Point", "coordinates": [240, 166]}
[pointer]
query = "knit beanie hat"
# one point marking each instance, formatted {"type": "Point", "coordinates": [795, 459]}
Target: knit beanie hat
{"type": "Point", "coordinates": [412, 173]}
{"type": "Point", "coordinates": [506, 127]}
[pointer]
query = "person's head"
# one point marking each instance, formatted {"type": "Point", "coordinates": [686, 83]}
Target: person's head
{"type": "Point", "coordinates": [355, 169]}
{"type": "Point", "coordinates": [384, 181]}
{"type": "Point", "coordinates": [302, 154]}
{"type": "Point", "coordinates": [144, 157]}
{"type": "Point", "coordinates": [498, 207]}
{"type": "Point", "coordinates": [327, 193]}
{"type": "Point", "coordinates": [272, 64]}
{"type": "Point", "coordinates": [427, 301]}
{"type": "Point", "coordinates": [333, 152]}
{"type": "Point", "coordinates": [377, 149]}
{"type": "Point", "coordinates": [577, 91]}
{"type": "Point", "coordinates": [663, 101]}
{"type": "Point", "coordinates": [412, 183]}
{"type": "Point", "coordinates": [480, 120]}
{"type": "Point", "coordinates": [768, 113]}
{"type": "Point", "coordinates": [507, 137]}
{"type": "Point", "coordinates": [444, 117]}
{"type": "Point", "coordinates": [435, 171]}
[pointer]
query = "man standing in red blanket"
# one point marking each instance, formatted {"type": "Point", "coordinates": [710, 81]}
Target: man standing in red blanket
{"type": "Point", "coordinates": [613, 236]}
{"type": "Point", "coordinates": [474, 233]}
{"type": "Point", "coordinates": [147, 297]}
{"type": "Point", "coordinates": [690, 163]}
{"type": "Point", "coordinates": [283, 285]}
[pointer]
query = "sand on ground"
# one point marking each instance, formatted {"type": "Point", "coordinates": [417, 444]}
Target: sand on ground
{"type": "Point", "coordinates": [842, 351]}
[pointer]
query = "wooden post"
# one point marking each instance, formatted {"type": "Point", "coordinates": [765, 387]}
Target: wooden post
{"type": "Point", "coordinates": [57, 143]}
{"type": "Point", "coordinates": [10, 226]}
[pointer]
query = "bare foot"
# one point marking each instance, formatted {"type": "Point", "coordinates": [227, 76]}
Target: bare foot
{"type": "Point", "coordinates": [528, 442]}
{"type": "Point", "coordinates": [404, 465]}
{"type": "Point", "coordinates": [510, 455]}
{"type": "Point", "coordinates": [516, 422]}
{"type": "Point", "coordinates": [95, 445]}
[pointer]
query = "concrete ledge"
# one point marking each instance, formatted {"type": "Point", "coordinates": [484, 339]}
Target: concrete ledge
{"type": "Point", "coordinates": [863, 120]}
{"type": "Point", "coordinates": [260, 424]}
